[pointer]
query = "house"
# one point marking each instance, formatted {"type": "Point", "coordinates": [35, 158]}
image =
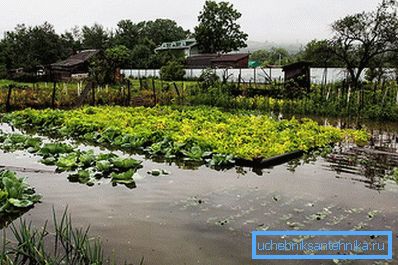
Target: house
{"type": "Point", "coordinates": [233, 60]}
{"type": "Point", "coordinates": [76, 66]}
{"type": "Point", "coordinates": [186, 48]}
{"type": "Point", "coordinates": [298, 74]}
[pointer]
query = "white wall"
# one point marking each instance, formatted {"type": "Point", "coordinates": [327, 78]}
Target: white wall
{"type": "Point", "coordinates": [317, 74]}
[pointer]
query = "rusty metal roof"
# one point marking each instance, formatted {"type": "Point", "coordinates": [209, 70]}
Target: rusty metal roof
{"type": "Point", "coordinates": [295, 65]}
{"type": "Point", "coordinates": [230, 57]}
{"type": "Point", "coordinates": [212, 59]}
{"type": "Point", "coordinates": [76, 59]}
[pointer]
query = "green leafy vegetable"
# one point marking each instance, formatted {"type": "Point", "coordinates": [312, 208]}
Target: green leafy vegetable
{"type": "Point", "coordinates": [83, 177]}
{"type": "Point", "coordinates": [68, 162]}
{"type": "Point", "coordinates": [191, 133]}
{"type": "Point", "coordinates": [15, 194]}
{"type": "Point", "coordinates": [125, 178]}
{"type": "Point", "coordinates": [103, 165]}
{"type": "Point", "coordinates": [125, 163]}
{"type": "Point", "coordinates": [55, 149]}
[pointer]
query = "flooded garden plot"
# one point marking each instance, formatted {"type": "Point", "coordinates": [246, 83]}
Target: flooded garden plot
{"type": "Point", "coordinates": [191, 201]}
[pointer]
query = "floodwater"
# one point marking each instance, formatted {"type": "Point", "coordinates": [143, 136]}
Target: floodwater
{"type": "Point", "coordinates": [206, 216]}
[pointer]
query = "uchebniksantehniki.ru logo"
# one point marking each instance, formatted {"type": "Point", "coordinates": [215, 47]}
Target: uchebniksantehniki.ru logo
{"type": "Point", "coordinates": [340, 246]}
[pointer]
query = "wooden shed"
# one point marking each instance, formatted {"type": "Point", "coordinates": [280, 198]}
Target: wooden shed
{"type": "Point", "coordinates": [298, 74]}
{"type": "Point", "coordinates": [236, 60]}
{"type": "Point", "coordinates": [76, 65]}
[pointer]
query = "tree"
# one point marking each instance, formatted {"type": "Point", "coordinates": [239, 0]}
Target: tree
{"type": "Point", "coordinates": [95, 37]}
{"type": "Point", "coordinates": [71, 41]}
{"type": "Point", "coordinates": [218, 30]}
{"type": "Point", "coordinates": [143, 37]}
{"type": "Point", "coordinates": [172, 71]}
{"type": "Point", "coordinates": [157, 60]}
{"type": "Point", "coordinates": [274, 56]}
{"type": "Point", "coordinates": [261, 56]}
{"type": "Point", "coordinates": [29, 47]}
{"type": "Point", "coordinates": [320, 54]}
{"type": "Point", "coordinates": [392, 60]}
{"type": "Point", "coordinates": [100, 71]}
{"type": "Point", "coordinates": [361, 37]}
{"type": "Point", "coordinates": [141, 56]}
{"type": "Point", "coordinates": [3, 68]}
{"type": "Point", "coordinates": [127, 34]}
{"type": "Point", "coordinates": [163, 30]}
{"type": "Point", "coordinates": [118, 56]}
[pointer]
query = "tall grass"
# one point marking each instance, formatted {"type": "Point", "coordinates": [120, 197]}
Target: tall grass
{"type": "Point", "coordinates": [372, 102]}
{"type": "Point", "coordinates": [64, 245]}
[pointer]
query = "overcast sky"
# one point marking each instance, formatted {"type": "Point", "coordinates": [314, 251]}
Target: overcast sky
{"type": "Point", "coordinates": [264, 20]}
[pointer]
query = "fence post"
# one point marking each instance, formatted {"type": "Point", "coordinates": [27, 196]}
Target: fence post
{"type": "Point", "coordinates": [8, 102]}
{"type": "Point", "coordinates": [177, 91]}
{"type": "Point", "coordinates": [396, 100]}
{"type": "Point", "coordinates": [53, 95]}
{"type": "Point", "coordinates": [270, 74]}
{"type": "Point", "coordinates": [93, 93]}
{"type": "Point", "coordinates": [255, 77]}
{"type": "Point", "coordinates": [239, 77]}
{"type": "Point", "coordinates": [154, 92]}
{"type": "Point", "coordinates": [140, 83]}
{"type": "Point", "coordinates": [128, 92]}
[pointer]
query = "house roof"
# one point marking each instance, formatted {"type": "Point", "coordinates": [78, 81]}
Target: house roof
{"type": "Point", "coordinates": [177, 45]}
{"type": "Point", "coordinates": [76, 59]}
{"type": "Point", "coordinates": [200, 61]}
{"type": "Point", "coordinates": [230, 57]}
{"type": "Point", "coordinates": [209, 60]}
{"type": "Point", "coordinates": [298, 64]}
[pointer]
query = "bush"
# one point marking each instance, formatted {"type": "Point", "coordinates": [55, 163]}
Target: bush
{"type": "Point", "coordinates": [172, 71]}
{"type": "Point", "coordinates": [208, 79]}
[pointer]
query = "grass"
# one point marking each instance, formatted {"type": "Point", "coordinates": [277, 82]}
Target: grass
{"type": "Point", "coordinates": [63, 245]}
{"type": "Point", "coordinates": [375, 101]}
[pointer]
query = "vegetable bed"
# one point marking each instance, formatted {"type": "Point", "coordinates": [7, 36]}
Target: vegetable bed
{"type": "Point", "coordinates": [192, 133]}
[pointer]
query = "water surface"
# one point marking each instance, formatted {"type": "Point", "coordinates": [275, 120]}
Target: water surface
{"type": "Point", "coordinates": [205, 216]}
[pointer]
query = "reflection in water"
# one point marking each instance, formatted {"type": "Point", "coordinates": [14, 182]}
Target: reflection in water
{"type": "Point", "coordinates": [361, 165]}
{"type": "Point", "coordinates": [369, 165]}
{"type": "Point", "coordinates": [8, 218]}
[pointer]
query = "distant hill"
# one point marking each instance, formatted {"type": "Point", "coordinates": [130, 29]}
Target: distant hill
{"type": "Point", "coordinates": [253, 46]}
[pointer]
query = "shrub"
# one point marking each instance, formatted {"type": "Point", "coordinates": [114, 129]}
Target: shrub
{"type": "Point", "coordinates": [208, 79]}
{"type": "Point", "coordinates": [172, 71]}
